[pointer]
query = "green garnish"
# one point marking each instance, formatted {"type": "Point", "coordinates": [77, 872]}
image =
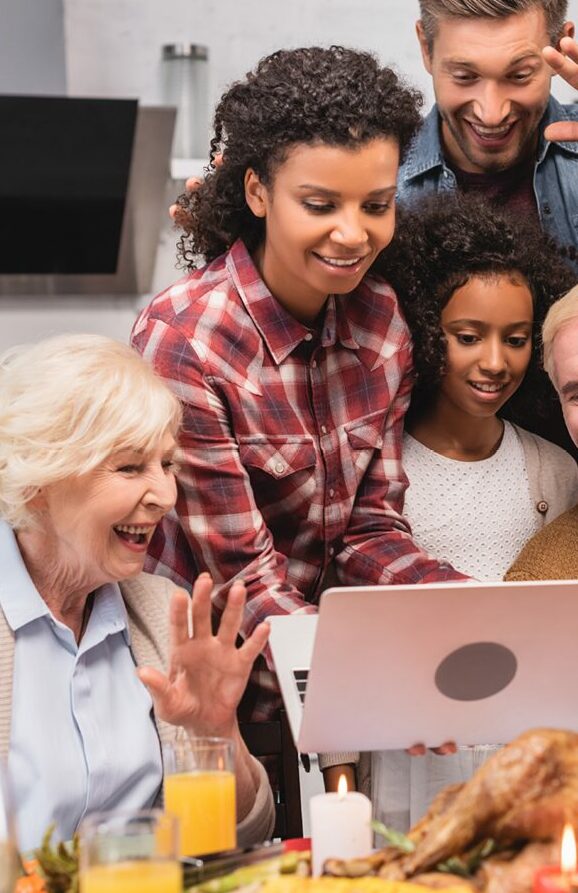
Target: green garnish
{"type": "Point", "coordinates": [58, 865]}
{"type": "Point", "coordinates": [467, 865]}
{"type": "Point", "coordinates": [394, 838]}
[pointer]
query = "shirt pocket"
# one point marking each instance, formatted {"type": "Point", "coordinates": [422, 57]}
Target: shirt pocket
{"type": "Point", "coordinates": [278, 458]}
{"type": "Point", "coordinates": [364, 436]}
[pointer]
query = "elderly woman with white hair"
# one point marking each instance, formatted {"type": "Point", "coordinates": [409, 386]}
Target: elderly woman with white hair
{"type": "Point", "coordinates": [552, 554]}
{"type": "Point", "coordinates": [89, 684]}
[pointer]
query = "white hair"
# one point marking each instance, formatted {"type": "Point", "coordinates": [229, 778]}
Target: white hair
{"type": "Point", "coordinates": [561, 312]}
{"type": "Point", "coordinates": [66, 404]}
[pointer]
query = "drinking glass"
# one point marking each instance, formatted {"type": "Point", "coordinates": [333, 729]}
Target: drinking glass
{"type": "Point", "coordinates": [8, 850]}
{"type": "Point", "coordinates": [199, 787]}
{"type": "Point", "coordinates": [123, 852]}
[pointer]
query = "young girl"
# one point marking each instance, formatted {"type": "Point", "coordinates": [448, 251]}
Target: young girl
{"type": "Point", "coordinates": [293, 364]}
{"type": "Point", "coordinates": [476, 287]}
{"type": "Point", "coordinates": [475, 296]}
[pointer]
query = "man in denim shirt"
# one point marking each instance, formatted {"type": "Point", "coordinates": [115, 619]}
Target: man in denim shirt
{"type": "Point", "coordinates": [492, 86]}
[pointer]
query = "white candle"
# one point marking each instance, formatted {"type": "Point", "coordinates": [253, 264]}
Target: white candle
{"type": "Point", "coordinates": [340, 826]}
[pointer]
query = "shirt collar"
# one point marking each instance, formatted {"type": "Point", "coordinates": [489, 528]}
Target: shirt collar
{"type": "Point", "coordinates": [374, 310]}
{"type": "Point", "coordinates": [280, 331]}
{"type": "Point", "coordinates": [555, 111]}
{"type": "Point", "coordinates": [22, 603]}
{"type": "Point", "coordinates": [425, 152]}
{"type": "Point", "coordinates": [19, 599]}
{"type": "Point", "coordinates": [108, 616]}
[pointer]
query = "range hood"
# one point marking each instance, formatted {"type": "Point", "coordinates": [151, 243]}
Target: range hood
{"type": "Point", "coordinates": [82, 194]}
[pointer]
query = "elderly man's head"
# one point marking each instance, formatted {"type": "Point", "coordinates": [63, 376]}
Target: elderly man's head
{"type": "Point", "coordinates": [560, 340]}
{"type": "Point", "coordinates": [490, 79]}
{"type": "Point", "coordinates": [66, 404]}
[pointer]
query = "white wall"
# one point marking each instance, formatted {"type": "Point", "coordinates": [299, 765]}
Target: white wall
{"type": "Point", "coordinates": [114, 46]}
{"type": "Point", "coordinates": [32, 47]}
{"type": "Point", "coordinates": [113, 49]}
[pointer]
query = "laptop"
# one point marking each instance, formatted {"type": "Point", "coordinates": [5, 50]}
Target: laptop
{"type": "Point", "coordinates": [385, 667]}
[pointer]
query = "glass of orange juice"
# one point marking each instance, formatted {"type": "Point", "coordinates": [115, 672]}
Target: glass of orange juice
{"type": "Point", "coordinates": [130, 853]}
{"type": "Point", "coordinates": [199, 788]}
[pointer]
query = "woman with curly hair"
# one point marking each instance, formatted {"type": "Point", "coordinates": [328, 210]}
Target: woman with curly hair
{"type": "Point", "coordinates": [293, 364]}
{"type": "Point", "coordinates": [475, 286]}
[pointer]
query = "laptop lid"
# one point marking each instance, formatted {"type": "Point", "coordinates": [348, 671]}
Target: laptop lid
{"type": "Point", "coordinates": [390, 666]}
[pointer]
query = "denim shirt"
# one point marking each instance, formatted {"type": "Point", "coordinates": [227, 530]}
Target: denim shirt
{"type": "Point", "coordinates": [425, 171]}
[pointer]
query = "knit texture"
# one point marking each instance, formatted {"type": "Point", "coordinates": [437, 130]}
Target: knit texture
{"type": "Point", "coordinates": [476, 515]}
{"type": "Point", "coordinates": [552, 554]}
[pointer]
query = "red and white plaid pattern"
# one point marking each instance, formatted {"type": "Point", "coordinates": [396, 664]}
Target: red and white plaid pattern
{"type": "Point", "coordinates": [291, 445]}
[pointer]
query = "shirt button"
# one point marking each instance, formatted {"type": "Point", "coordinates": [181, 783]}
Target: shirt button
{"type": "Point", "coordinates": [542, 506]}
{"type": "Point", "coordinates": [546, 208]}
{"type": "Point", "coordinates": [332, 493]}
{"type": "Point", "coordinates": [309, 336]}
{"type": "Point", "coordinates": [323, 429]}
{"type": "Point", "coordinates": [279, 468]}
{"type": "Point", "coordinates": [331, 551]}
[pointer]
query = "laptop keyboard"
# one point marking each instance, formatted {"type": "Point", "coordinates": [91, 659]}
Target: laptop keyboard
{"type": "Point", "coordinates": [300, 677]}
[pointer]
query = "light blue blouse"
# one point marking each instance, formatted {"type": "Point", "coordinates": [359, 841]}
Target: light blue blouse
{"type": "Point", "coordinates": [82, 736]}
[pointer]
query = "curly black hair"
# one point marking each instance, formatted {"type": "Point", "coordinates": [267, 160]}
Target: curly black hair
{"type": "Point", "coordinates": [437, 248]}
{"type": "Point", "coordinates": [337, 96]}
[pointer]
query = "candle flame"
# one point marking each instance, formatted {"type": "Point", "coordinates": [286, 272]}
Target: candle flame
{"type": "Point", "coordinates": [342, 787]}
{"type": "Point", "coordinates": [568, 855]}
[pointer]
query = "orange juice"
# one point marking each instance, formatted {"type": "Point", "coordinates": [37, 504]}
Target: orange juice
{"type": "Point", "coordinates": [138, 876]}
{"type": "Point", "coordinates": [204, 802]}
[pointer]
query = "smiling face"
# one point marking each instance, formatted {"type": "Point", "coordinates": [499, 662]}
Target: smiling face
{"type": "Point", "coordinates": [565, 373]}
{"type": "Point", "coordinates": [491, 85]}
{"type": "Point", "coordinates": [487, 324]}
{"type": "Point", "coordinates": [96, 528]}
{"type": "Point", "coordinates": [328, 213]}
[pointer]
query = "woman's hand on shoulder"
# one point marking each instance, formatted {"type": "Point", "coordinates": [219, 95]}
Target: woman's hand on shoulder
{"type": "Point", "coordinates": [207, 672]}
{"type": "Point", "coordinates": [191, 185]}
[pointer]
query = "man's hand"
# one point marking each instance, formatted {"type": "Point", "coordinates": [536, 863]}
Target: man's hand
{"type": "Point", "coordinates": [207, 673]}
{"type": "Point", "coordinates": [565, 63]}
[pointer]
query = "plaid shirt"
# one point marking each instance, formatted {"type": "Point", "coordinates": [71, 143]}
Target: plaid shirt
{"type": "Point", "coordinates": [291, 443]}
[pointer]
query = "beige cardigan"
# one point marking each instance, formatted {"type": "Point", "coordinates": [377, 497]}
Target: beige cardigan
{"type": "Point", "coordinates": [147, 603]}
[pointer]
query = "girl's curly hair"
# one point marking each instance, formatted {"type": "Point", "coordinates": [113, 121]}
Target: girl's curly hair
{"type": "Point", "coordinates": [337, 96]}
{"type": "Point", "coordinates": [437, 248]}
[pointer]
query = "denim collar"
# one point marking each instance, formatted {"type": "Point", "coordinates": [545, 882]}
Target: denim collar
{"type": "Point", "coordinates": [425, 152]}
{"type": "Point", "coordinates": [555, 111]}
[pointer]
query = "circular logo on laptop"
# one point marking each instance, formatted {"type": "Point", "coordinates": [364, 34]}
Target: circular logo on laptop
{"type": "Point", "coordinates": [476, 671]}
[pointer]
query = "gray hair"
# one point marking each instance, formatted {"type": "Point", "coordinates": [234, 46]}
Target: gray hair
{"type": "Point", "coordinates": [432, 10]}
{"type": "Point", "coordinates": [563, 311]}
{"type": "Point", "coordinates": [68, 403]}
